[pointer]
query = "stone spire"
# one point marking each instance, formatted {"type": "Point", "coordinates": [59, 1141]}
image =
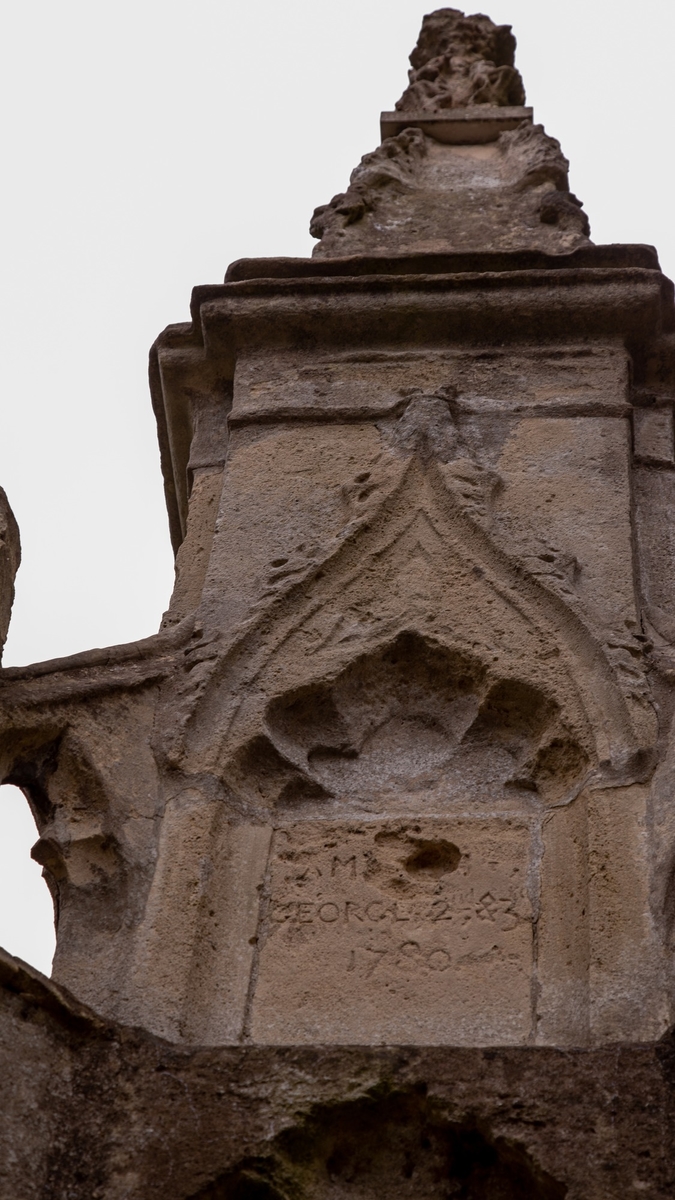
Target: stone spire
{"type": "Point", "coordinates": [461, 166]}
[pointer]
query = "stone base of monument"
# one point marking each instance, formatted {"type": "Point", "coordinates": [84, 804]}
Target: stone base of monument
{"type": "Point", "coordinates": [101, 1110]}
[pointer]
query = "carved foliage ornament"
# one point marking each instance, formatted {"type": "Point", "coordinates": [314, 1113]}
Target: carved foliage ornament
{"type": "Point", "coordinates": [460, 61]}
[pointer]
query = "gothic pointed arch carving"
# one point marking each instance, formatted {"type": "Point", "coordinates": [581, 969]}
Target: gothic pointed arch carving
{"type": "Point", "coordinates": [421, 568]}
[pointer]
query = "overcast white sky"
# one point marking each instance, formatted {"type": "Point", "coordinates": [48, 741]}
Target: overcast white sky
{"type": "Point", "coordinates": [148, 143]}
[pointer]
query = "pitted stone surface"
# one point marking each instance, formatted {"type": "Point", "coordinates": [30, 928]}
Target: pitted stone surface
{"type": "Point", "coordinates": [399, 767]}
{"type": "Point", "coordinates": [405, 925]}
{"type": "Point", "coordinates": [487, 181]}
{"type": "Point", "coordinates": [96, 1109]}
{"type": "Point", "coordinates": [460, 61]}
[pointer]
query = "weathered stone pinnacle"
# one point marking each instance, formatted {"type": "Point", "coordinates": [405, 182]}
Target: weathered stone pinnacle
{"type": "Point", "coordinates": [461, 166]}
{"type": "Point", "coordinates": [374, 842]}
{"type": "Point", "coordinates": [460, 61]}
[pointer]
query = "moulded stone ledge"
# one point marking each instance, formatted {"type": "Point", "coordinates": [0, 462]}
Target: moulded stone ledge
{"type": "Point", "coordinates": [432, 309]}
{"type": "Point", "coordinates": [615, 254]}
{"type": "Point", "coordinates": [475, 124]}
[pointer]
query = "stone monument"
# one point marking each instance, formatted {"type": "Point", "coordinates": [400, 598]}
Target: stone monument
{"type": "Point", "coordinates": [363, 867]}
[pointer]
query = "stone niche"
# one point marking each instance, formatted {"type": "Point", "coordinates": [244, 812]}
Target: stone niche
{"type": "Point", "coordinates": [396, 768]}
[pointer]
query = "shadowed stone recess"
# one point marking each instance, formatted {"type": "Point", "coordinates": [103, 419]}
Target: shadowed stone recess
{"type": "Point", "coordinates": [97, 1109]}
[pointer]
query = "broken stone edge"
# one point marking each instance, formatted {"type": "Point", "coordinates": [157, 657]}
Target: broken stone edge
{"type": "Point", "coordinates": [229, 1106]}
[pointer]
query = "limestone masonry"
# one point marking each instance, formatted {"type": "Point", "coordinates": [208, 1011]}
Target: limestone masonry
{"type": "Point", "coordinates": [364, 865]}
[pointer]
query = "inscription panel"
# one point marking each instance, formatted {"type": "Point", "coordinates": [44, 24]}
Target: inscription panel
{"type": "Point", "coordinates": [417, 932]}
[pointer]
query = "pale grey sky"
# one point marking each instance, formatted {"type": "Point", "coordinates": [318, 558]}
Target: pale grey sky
{"type": "Point", "coordinates": [147, 144]}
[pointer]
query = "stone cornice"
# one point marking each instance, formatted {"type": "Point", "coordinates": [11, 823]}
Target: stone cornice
{"type": "Point", "coordinates": [431, 299]}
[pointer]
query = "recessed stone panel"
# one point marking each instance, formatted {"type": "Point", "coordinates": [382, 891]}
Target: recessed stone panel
{"type": "Point", "coordinates": [414, 931]}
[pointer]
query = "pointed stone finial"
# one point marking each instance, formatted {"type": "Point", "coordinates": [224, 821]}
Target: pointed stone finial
{"type": "Point", "coordinates": [462, 61]}
{"type": "Point", "coordinates": [462, 167]}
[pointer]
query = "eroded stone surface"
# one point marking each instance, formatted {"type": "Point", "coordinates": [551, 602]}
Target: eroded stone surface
{"type": "Point", "coordinates": [402, 926]}
{"type": "Point", "coordinates": [408, 597]}
{"type": "Point", "coordinates": [489, 181]}
{"type": "Point", "coordinates": [416, 193]}
{"type": "Point", "coordinates": [460, 61]}
{"type": "Point", "coordinates": [10, 557]}
{"type": "Point", "coordinates": [398, 767]}
{"type": "Point", "coordinates": [95, 1109]}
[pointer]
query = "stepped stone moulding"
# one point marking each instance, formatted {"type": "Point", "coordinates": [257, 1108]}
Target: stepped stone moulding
{"type": "Point", "coordinates": [398, 769]}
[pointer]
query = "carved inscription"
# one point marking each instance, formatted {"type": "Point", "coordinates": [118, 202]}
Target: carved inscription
{"type": "Point", "coordinates": [397, 931]}
{"type": "Point", "coordinates": [459, 908]}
